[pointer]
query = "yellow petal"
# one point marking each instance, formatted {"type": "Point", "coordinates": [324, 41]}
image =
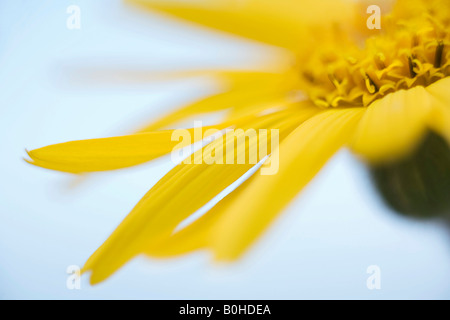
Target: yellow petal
{"type": "Point", "coordinates": [393, 126]}
{"type": "Point", "coordinates": [95, 76]}
{"type": "Point", "coordinates": [184, 190]}
{"type": "Point", "coordinates": [302, 155]}
{"type": "Point", "coordinates": [281, 23]}
{"type": "Point", "coordinates": [440, 120]}
{"type": "Point", "coordinates": [107, 153]}
{"type": "Point", "coordinates": [238, 89]}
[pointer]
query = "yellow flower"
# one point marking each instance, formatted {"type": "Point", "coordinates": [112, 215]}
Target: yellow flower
{"type": "Point", "coordinates": [379, 92]}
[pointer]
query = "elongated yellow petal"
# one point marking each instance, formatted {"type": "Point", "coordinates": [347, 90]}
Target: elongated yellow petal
{"type": "Point", "coordinates": [239, 89]}
{"type": "Point", "coordinates": [393, 126]}
{"type": "Point", "coordinates": [184, 190]}
{"type": "Point", "coordinates": [440, 120]}
{"type": "Point", "coordinates": [197, 235]}
{"type": "Point", "coordinates": [107, 153]}
{"type": "Point", "coordinates": [282, 23]}
{"type": "Point", "coordinates": [302, 155]}
{"type": "Point", "coordinates": [123, 76]}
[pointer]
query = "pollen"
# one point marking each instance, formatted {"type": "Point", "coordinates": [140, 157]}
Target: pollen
{"type": "Point", "coordinates": [403, 55]}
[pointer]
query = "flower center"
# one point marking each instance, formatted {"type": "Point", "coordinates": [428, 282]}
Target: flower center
{"type": "Point", "coordinates": [399, 57]}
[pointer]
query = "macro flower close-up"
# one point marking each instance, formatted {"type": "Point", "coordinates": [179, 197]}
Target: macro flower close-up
{"type": "Point", "coordinates": [371, 78]}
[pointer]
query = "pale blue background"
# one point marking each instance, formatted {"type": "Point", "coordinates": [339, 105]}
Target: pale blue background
{"type": "Point", "coordinates": [320, 248]}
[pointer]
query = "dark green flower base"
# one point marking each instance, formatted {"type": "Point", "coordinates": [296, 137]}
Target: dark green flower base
{"type": "Point", "coordinates": [420, 185]}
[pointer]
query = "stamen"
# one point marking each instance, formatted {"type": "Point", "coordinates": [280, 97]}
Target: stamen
{"type": "Point", "coordinates": [380, 61]}
{"type": "Point", "coordinates": [411, 67]}
{"type": "Point", "coordinates": [370, 84]}
{"type": "Point", "coordinates": [439, 54]}
{"type": "Point", "coordinates": [333, 80]}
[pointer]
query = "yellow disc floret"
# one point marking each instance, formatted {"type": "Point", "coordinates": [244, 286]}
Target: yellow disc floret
{"type": "Point", "coordinates": [408, 52]}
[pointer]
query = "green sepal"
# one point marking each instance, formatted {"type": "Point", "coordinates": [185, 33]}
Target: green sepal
{"type": "Point", "coordinates": [418, 186]}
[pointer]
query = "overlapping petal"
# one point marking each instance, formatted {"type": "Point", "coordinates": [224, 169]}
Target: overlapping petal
{"type": "Point", "coordinates": [285, 23]}
{"type": "Point", "coordinates": [440, 97]}
{"type": "Point", "coordinates": [235, 222]}
{"type": "Point", "coordinates": [239, 91]}
{"type": "Point", "coordinates": [393, 126]}
{"type": "Point", "coordinates": [184, 190]}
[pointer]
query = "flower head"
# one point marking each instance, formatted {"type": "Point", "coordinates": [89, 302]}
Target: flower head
{"type": "Point", "coordinates": [380, 93]}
